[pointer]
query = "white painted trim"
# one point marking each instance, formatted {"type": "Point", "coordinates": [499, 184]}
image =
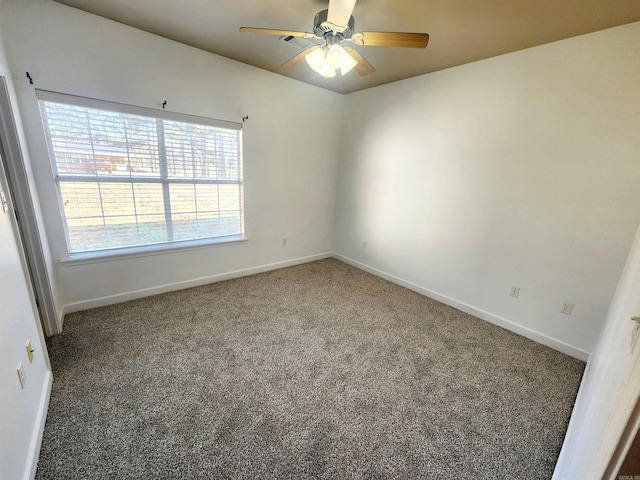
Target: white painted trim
{"type": "Point", "coordinates": [24, 203]}
{"type": "Point", "coordinates": [68, 99]}
{"type": "Point", "coordinates": [36, 438]}
{"type": "Point", "coordinates": [147, 292]}
{"type": "Point", "coordinates": [60, 319]}
{"type": "Point", "coordinates": [477, 312]}
{"type": "Point", "coordinates": [470, 309]}
{"type": "Point", "coordinates": [615, 428]}
{"type": "Point", "coordinates": [148, 250]}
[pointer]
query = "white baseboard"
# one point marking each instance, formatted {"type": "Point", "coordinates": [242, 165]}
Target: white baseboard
{"type": "Point", "coordinates": [147, 292]}
{"type": "Point", "coordinates": [470, 309]}
{"type": "Point", "coordinates": [36, 438]}
{"type": "Point", "coordinates": [60, 320]}
{"type": "Point", "coordinates": [476, 312]}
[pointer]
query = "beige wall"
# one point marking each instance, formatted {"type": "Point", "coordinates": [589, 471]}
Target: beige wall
{"type": "Point", "coordinates": [520, 170]}
{"type": "Point", "coordinates": [22, 410]}
{"type": "Point", "coordinates": [290, 143]}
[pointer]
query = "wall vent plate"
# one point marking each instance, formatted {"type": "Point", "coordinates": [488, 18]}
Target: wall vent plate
{"type": "Point", "coordinates": [298, 42]}
{"type": "Point", "coordinates": [567, 308]}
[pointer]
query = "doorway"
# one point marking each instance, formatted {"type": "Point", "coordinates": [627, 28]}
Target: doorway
{"type": "Point", "coordinates": [25, 212]}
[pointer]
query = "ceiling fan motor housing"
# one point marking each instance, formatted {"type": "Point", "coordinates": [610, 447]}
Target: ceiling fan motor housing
{"type": "Point", "coordinates": [323, 29]}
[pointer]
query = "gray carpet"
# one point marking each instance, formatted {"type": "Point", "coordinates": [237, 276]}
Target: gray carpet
{"type": "Point", "coordinates": [314, 371]}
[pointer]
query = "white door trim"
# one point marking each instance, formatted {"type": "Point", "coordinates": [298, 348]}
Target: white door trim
{"type": "Point", "coordinates": [621, 428]}
{"type": "Point", "coordinates": [19, 184]}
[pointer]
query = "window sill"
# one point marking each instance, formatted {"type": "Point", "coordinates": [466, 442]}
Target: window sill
{"type": "Point", "coordinates": [162, 249]}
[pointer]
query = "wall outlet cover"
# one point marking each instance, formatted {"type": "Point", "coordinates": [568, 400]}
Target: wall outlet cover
{"type": "Point", "coordinates": [515, 292]}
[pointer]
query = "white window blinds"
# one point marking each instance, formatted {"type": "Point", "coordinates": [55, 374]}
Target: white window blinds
{"type": "Point", "coordinates": [131, 177]}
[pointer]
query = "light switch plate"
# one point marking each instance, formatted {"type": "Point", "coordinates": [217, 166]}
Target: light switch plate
{"type": "Point", "coordinates": [21, 375]}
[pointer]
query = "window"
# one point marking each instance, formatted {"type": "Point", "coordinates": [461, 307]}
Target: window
{"type": "Point", "coordinates": [133, 177]}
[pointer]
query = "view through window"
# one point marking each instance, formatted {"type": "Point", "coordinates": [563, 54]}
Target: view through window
{"type": "Point", "coordinates": [131, 177]}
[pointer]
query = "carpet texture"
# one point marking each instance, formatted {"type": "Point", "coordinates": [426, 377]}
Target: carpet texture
{"type": "Point", "coordinates": [314, 371]}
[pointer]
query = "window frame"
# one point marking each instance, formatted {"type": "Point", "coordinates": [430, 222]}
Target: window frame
{"type": "Point", "coordinates": [164, 179]}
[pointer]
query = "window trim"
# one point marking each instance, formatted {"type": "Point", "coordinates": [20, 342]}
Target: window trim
{"type": "Point", "coordinates": [99, 256]}
{"type": "Point", "coordinates": [49, 96]}
{"type": "Point", "coordinates": [107, 254]}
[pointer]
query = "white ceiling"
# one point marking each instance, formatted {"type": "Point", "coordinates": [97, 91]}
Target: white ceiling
{"type": "Point", "coordinates": [461, 31]}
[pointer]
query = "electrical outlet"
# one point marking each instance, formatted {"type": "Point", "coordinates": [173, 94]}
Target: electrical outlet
{"type": "Point", "coordinates": [364, 245]}
{"type": "Point", "coordinates": [21, 375]}
{"type": "Point", "coordinates": [567, 308]}
{"type": "Point", "coordinates": [515, 292]}
{"type": "Point", "coordinates": [30, 351]}
{"type": "Point", "coordinates": [284, 242]}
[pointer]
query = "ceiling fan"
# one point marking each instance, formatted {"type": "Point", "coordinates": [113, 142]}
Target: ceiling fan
{"type": "Point", "coordinates": [334, 27]}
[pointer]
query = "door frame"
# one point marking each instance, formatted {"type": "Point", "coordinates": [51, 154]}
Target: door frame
{"type": "Point", "coordinates": [18, 180]}
{"type": "Point", "coordinates": [625, 443]}
{"type": "Point", "coordinates": [623, 425]}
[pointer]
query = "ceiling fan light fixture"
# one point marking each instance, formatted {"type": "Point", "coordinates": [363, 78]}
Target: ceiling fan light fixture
{"type": "Point", "coordinates": [326, 60]}
{"type": "Point", "coordinates": [317, 60]}
{"type": "Point", "coordinates": [333, 26]}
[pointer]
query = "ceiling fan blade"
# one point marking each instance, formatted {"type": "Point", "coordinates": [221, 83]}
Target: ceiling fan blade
{"type": "Point", "coordinates": [340, 11]}
{"type": "Point", "coordinates": [363, 67]}
{"type": "Point", "coordinates": [271, 31]}
{"type": "Point", "coordinates": [299, 57]}
{"type": "Point", "coordinates": [392, 39]}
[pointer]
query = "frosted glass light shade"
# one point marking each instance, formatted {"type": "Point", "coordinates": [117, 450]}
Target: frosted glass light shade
{"type": "Point", "coordinates": [348, 64]}
{"type": "Point", "coordinates": [336, 56]}
{"type": "Point", "coordinates": [315, 59]}
{"type": "Point", "coordinates": [326, 71]}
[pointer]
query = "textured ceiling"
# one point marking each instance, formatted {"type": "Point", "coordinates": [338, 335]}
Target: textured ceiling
{"type": "Point", "coordinates": [461, 31]}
